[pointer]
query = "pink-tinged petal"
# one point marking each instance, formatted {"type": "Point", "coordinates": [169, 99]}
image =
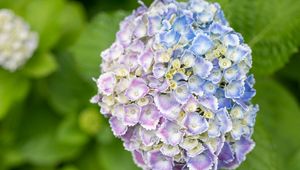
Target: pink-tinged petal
{"type": "Point", "coordinates": [124, 36]}
{"type": "Point", "coordinates": [148, 137]}
{"type": "Point", "coordinates": [189, 143]}
{"type": "Point", "coordinates": [131, 139]}
{"type": "Point", "coordinates": [154, 24]}
{"type": "Point", "coordinates": [150, 116]}
{"type": "Point", "coordinates": [106, 83]}
{"type": "Point", "coordinates": [167, 105]}
{"type": "Point", "coordinates": [140, 29]}
{"type": "Point", "coordinates": [195, 123]}
{"type": "Point", "coordinates": [191, 105]}
{"type": "Point", "coordinates": [159, 70]}
{"type": "Point", "coordinates": [170, 133]}
{"type": "Point", "coordinates": [203, 161]}
{"type": "Point", "coordinates": [146, 59]}
{"type": "Point", "coordinates": [210, 102]}
{"type": "Point", "coordinates": [169, 150]}
{"type": "Point", "coordinates": [137, 89]}
{"type": "Point", "coordinates": [118, 111]}
{"type": "Point", "coordinates": [132, 114]}
{"type": "Point", "coordinates": [117, 126]}
{"type": "Point", "coordinates": [158, 161]}
{"type": "Point", "coordinates": [243, 147]}
{"type": "Point", "coordinates": [137, 46]}
{"type": "Point", "coordinates": [138, 159]}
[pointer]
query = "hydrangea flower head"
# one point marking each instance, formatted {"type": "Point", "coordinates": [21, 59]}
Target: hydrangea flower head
{"type": "Point", "coordinates": [17, 42]}
{"type": "Point", "coordinates": [176, 89]}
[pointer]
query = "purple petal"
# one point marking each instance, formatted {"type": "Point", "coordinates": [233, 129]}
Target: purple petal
{"type": "Point", "coordinates": [226, 155]}
{"type": "Point", "coordinates": [132, 114]}
{"type": "Point", "coordinates": [106, 83]}
{"type": "Point", "coordinates": [154, 23]}
{"type": "Point", "coordinates": [159, 70]}
{"type": "Point", "coordinates": [137, 89]}
{"type": "Point", "coordinates": [150, 116]}
{"type": "Point", "coordinates": [167, 105]}
{"type": "Point", "coordinates": [243, 147]}
{"type": "Point", "coordinates": [210, 102]}
{"type": "Point", "coordinates": [117, 126]}
{"type": "Point", "coordinates": [209, 88]}
{"type": "Point", "coordinates": [195, 123]}
{"type": "Point", "coordinates": [201, 44]}
{"type": "Point", "coordinates": [203, 161]}
{"type": "Point", "coordinates": [140, 29]}
{"type": "Point", "coordinates": [148, 137]}
{"type": "Point", "coordinates": [158, 161]}
{"type": "Point", "coordinates": [138, 159]}
{"type": "Point", "coordinates": [146, 59]}
{"type": "Point", "coordinates": [170, 133]}
{"type": "Point", "coordinates": [191, 105]}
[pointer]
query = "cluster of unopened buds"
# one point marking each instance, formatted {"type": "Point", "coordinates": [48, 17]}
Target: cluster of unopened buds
{"type": "Point", "coordinates": [17, 42]}
{"type": "Point", "coordinates": [176, 89]}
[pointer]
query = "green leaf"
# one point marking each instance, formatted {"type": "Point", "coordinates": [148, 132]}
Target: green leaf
{"type": "Point", "coordinates": [37, 136]}
{"type": "Point", "coordinates": [69, 132]}
{"type": "Point", "coordinates": [295, 161]}
{"type": "Point", "coordinates": [98, 36]}
{"type": "Point", "coordinates": [275, 134]}
{"type": "Point", "coordinates": [269, 26]}
{"type": "Point", "coordinates": [13, 89]}
{"type": "Point", "coordinates": [72, 21]}
{"type": "Point", "coordinates": [43, 17]}
{"type": "Point", "coordinates": [66, 91]}
{"type": "Point", "coordinates": [40, 65]}
{"type": "Point", "coordinates": [115, 151]}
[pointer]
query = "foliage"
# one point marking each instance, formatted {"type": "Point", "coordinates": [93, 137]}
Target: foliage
{"type": "Point", "coordinates": [47, 122]}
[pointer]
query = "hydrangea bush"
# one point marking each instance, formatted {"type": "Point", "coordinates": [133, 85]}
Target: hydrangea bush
{"type": "Point", "coordinates": [17, 41]}
{"type": "Point", "coordinates": [176, 89]}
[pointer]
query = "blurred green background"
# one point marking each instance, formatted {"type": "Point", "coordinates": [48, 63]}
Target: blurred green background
{"type": "Point", "coordinates": [47, 122]}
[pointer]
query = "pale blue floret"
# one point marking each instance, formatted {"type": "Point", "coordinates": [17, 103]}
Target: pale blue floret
{"type": "Point", "coordinates": [195, 84]}
{"type": "Point", "coordinates": [169, 38]}
{"type": "Point", "coordinates": [202, 67]}
{"type": "Point", "coordinates": [234, 89]}
{"type": "Point", "coordinates": [201, 44]}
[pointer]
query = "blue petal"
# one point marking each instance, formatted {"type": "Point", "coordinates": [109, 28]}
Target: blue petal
{"type": "Point", "coordinates": [202, 67]}
{"type": "Point", "coordinates": [235, 89]}
{"type": "Point", "coordinates": [224, 121]}
{"type": "Point", "coordinates": [182, 93]}
{"type": "Point", "coordinates": [218, 29]}
{"type": "Point", "coordinates": [170, 38]}
{"type": "Point", "coordinates": [231, 40]}
{"type": "Point", "coordinates": [195, 84]}
{"type": "Point", "coordinates": [215, 76]}
{"type": "Point", "coordinates": [201, 44]}
{"type": "Point", "coordinates": [232, 73]}
{"type": "Point", "coordinates": [209, 88]}
{"type": "Point", "coordinates": [181, 24]}
{"type": "Point", "coordinates": [237, 54]}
